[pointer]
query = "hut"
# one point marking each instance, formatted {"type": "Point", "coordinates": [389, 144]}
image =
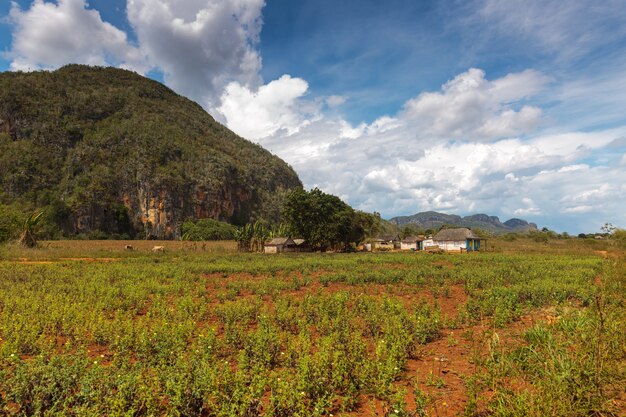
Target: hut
{"type": "Point", "coordinates": [302, 245]}
{"type": "Point", "coordinates": [413, 243]}
{"type": "Point", "coordinates": [461, 239]}
{"type": "Point", "coordinates": [387, 242]}
{"type": "Point", "coordinates": [280, 244]}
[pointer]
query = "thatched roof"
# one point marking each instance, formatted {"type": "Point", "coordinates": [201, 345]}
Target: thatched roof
{"type": "Point", "coordinates": [299, 241]}
{"type": "Point", "coordinates": [285, 241]}
{"type": "Point", "coordinates": [459, 234]}
{"type": "Point", "coordinates": [388, 238]}
{"type": "Point", "coordinates": [413, 239]}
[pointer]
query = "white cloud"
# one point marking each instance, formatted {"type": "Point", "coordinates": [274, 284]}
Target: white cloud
{"type": "Point", "coordinates": [529, 208]}
{"type": "Point", "coordinates": [272, 107]}
{"type": "Point", "coordinates": [50, 35]}
{"type": "Point", "coordinates": [471, 107]}
{"type": "Point", "coordinates": [335, 101]}
{"type": "Point", "coordinates": [579, 209]}
{"type": "Point", "coordinates": [201, 46]}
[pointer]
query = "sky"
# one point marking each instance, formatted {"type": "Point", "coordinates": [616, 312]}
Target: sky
{"type": "Point", "coordinates": [513, 108]}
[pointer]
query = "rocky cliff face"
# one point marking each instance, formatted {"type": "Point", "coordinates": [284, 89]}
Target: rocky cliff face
{"type": "Point", "coordinates": [106, 149]}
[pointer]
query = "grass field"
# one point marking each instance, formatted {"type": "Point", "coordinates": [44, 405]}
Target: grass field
{"type": "Point", "coordinates": [526, 329]}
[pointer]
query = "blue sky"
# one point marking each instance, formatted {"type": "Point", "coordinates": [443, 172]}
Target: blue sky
{"type": "Point", "coordinates": [512, 108]}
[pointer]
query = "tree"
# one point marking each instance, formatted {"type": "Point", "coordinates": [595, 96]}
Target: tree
{"type": "Point", "coordinates": [207, 229]}
{"type": "Point", "coordinates": [407, 231]}
{"type": "Point", "coordinates": [608, 229]}
{"type": "Point", "coordinates": [27, 237]}
{"type": "Point", "coordinates": [324, 220]}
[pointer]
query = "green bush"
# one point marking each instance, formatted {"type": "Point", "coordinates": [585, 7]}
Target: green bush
{"type": "Point", "coordinates": [11, 220]}
{"type": "Point", "coordinates": [208, 229]}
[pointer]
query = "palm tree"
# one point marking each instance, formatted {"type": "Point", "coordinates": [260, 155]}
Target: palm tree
{"type": "Point", "coordinates": [27, 238]}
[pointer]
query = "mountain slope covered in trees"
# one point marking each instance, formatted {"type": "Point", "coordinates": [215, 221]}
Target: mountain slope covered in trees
{"type": "Point", "coordinates": [104, 149]}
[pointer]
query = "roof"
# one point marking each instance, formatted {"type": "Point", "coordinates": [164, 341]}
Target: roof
{"type": "Point", "coordinates": [412, 239]}
{"type": "Point", "coordinates": [461, 233]}
{"type": "Point", "coordinates": [299, 241]}
{"type": "Point", "coordinates": [280, 241]}
{"type": "Point", "coordinates": [388, 238]}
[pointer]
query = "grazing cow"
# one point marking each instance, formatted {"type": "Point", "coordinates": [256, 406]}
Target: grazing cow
{"type": "Point", "coordinates": [158, 249]}
{"type": "Point", "coordinates": [129, 247]}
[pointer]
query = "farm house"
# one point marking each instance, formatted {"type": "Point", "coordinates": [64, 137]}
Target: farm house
{"type": "Point", "coordinates": [302, 245]}
{"type": "Point", "coordinates": [387, 242]}
{"type": "Point", "coordinates": [280, 244]}
{"type": "Point", "coordinates": [428, 243]}
{"type": "Point", "coordinates": [461, 239]}
{"type": "Point", "coordinates": [412, 243]}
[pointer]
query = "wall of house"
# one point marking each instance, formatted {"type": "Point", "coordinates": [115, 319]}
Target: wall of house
{"type": "Point", "coordinates": [408, 246]}
{"type": "Point", "coordinates": [452, 245]}
{"type": "Point", "coordinates": [271, 249]}
{"type": "Point", "coordinates": [388, 246]}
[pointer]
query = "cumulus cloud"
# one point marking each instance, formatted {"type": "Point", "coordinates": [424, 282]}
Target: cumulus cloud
{"type": "Point", "coordinates": [50, 35]}
{"type": "Point", "coordinates": [272, 107]}
{"type": "Point", "coordinates": [201, 46]}
{"type": "Point", "coordinates": [474, 108]}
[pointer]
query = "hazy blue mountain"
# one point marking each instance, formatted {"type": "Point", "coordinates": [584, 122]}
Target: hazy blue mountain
{"type": "Point", "coordinates": [434, 220]}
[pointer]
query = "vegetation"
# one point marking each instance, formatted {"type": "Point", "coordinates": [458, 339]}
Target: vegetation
{"type": "Point", "coordinates": [252, 237]}
{"type": "Point", "coordinates": [208, 229]}
{"type": "Point", "coordinates": [522, 330]}
{"type": "Point", "coordinates": [11, 219]}
{"type": "Point", "coordinates": [104, 149]}
{"type": "Point", "coordinates": [27, 237]}
{"type": "Point", "coordinates": [324, 221]}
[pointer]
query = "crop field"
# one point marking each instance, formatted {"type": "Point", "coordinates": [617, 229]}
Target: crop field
{"type": "Point", "coordinates": [524, 329]}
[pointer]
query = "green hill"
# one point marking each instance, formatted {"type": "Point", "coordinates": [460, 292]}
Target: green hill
{"type": "Point", "coordinates": [104, 149]}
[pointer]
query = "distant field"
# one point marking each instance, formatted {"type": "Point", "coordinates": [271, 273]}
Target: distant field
{"type": "Point", "coordinates": [89, 328]}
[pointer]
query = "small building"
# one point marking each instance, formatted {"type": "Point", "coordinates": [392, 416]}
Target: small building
{"type": "Point", "coordinates": [413, 243]}
{"type": "Point", "coordinates": [280, 244]}
{"type": "Point", "coordinates": [460, 239]}
{"type": "Point", "coordinates": [387, 242]}
{"type": "Point", "coordinates": [428, 243]}
{"type": "Point", "coordinates": [302, 245]}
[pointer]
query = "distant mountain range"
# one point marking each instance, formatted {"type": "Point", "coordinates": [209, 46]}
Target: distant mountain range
{"type": "Point", "coordinates": [434, 220]}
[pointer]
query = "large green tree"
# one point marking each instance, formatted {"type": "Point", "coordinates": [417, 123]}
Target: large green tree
{"type": "Point", "coordinates": [324, 220]}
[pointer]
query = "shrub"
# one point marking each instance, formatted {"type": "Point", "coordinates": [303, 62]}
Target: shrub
{"type": "Point", "coordinates": [208, 229]}
{"type": "Point", "coordinates": [11, 220]}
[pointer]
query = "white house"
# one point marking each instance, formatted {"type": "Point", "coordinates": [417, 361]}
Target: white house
{"type": "Point", "coordinates": [428, 243]}
{"type": "Point", "coordinates": [461, 239]}
{"type": "Point", "coordinates": [412, 243]}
